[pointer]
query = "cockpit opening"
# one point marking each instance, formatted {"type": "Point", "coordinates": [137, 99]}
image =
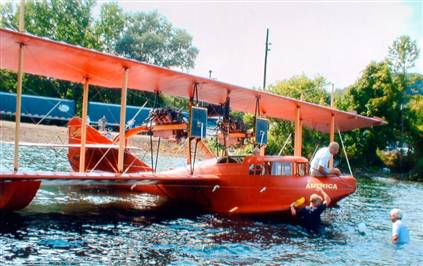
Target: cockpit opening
{"type": "Point", "coordinates": [230, 159]}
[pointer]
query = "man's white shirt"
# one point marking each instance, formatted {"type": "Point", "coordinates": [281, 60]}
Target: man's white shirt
{"type": "Point", "coordinates": [322, 158]}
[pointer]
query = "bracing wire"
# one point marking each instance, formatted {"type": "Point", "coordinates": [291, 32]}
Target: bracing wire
{"type": "Point", "coordinates": [285, 143]}
{"type": "Point", "coordinates": [345, 152]}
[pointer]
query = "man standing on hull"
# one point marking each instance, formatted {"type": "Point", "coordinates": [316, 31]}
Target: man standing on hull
{"type": "Point", "coordinates": [319, 166]}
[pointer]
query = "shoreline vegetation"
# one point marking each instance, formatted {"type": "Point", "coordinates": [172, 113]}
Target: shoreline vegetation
{"type": "Point", "coordinates": [387, 89]}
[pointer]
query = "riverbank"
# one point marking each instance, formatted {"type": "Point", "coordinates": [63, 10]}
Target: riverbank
{"type": "Point", "coordinates": [366, 172]}
{"type": "Point", "coordinates": [59, 135]}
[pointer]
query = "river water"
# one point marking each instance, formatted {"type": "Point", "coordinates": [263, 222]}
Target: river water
{"type": "Point", "coordinates": [71, 225]}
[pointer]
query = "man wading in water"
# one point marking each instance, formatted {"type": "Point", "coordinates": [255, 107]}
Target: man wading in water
{"type": "Point", "coordinates": [309, 216]}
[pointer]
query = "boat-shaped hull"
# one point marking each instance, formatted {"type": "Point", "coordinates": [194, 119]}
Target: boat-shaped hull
{"type": "Point", "coordinates": [228, 193]}
{"type": "Point", "coordinates": [242, 195]}
{"type": "Point", "coordinates": [239, 191]}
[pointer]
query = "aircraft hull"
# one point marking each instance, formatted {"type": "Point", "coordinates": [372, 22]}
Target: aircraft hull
{"type": "Point", "coordinates": [230, 193]}
{"type": "Point", "coordinates": [17, 195]}
{"type": "Point", "coordinates": [239, 194]}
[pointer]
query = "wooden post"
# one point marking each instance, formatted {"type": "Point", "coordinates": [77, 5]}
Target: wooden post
{"type": "Point", "coordinates": [301, 127]}
{"type": "Point", "coordinates": [122, 122]}
{"type": "Point", "coordinates": [83, 126]}
{"type": "Point", "coordinates": [332, 123]}
{"type": "Point", "coordinates": [298, 133]}
{"type": "Point", "coordinates": [19, 88]}
{"type": "Point", "coordinates": [188, 150]}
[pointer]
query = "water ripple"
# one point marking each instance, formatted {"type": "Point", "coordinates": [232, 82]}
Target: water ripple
{"type": "Point", "coordinates": [73, 225]}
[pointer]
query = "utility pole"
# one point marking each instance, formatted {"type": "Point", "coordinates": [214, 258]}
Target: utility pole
{"type": "Point", "coordinates": [265, 58]}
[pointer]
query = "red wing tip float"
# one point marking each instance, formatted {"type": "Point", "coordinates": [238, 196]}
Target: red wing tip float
{"type": "Point", "coordinates": [228, 184]}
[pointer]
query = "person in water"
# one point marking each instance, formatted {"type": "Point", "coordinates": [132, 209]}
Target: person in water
{"type": "Point", "coordinates": [309, 216]}
{"type": "Point", "coordinates": [399, 229]}
{"type": "Point", "coordinates": [319, 166]}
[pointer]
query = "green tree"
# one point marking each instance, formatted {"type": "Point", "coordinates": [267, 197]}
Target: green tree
{"type": "Point", "coordinates": [151, 38]}
{"type": "Point", "coordinates": [402, 54]}
{"type": "Point", "coordinates": [62, 20]}
{"type": "Point", "coordinates": [312, 91]}
{"type": "Point", "coordinates": [375, 93]}
{"type": "Point", "coordinates": [414, 114]}
{"type": "Point", "coordinates": [109, 27]}
{"type": "Point", "coordinates": [71, 21]}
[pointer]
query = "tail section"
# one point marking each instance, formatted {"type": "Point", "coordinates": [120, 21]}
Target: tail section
{"type": "Point", "coordinates": [101, 159]}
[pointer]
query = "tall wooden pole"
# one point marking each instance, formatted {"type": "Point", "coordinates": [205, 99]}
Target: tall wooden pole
{"type": "Point", "coordinates": [122, 122]}
{"type": "Point", "coordinates": [332, 122]}
{"type": "Point", "coordinates": [298, 138]}
{"type": "Point", "coordinates": [266, 49]}
{"type": "Point", "coordinates": [19, 88]}
{"type": "Point", "coordinates": [189, 152]}
{"type": "Point", "coordinates": [301, 125]}
{"type": "Point", "coordinates": [83, 126]}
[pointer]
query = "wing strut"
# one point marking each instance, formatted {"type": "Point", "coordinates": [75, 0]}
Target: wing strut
{"type": "Point", "coordinates": [197, 127]}
{"type": "Point", "coordinates": [83, 126]}
{"type": "Point", "coordinates": [122, 120]}
{"type": "Point", "coordinates": [19, 88]}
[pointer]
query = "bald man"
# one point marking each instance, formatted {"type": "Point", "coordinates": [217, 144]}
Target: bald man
{"type": "Point", "coordinates": [319, 166]}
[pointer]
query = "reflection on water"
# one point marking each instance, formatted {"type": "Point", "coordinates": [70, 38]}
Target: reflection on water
{"type": "Point", "coordinates": [90, 226]}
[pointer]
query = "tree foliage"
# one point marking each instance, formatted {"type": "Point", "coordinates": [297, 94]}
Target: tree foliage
{"type": "Point", "coordinates": [379, 92]}
{"type": "Point", "coordinates": [151, 38]}
{"type": "Point", "coordinates": [402, 54]}
{"type": "Point", "coordinates": [154, 40]}
{"type": "Point", "coordinates": [375, 93]}
{"type": "Point", "coordinates": [69, 21]}
{"type": "Point", "coordinates": [312, 91]}
{"type": "Point", "coordinates": [110, 25]}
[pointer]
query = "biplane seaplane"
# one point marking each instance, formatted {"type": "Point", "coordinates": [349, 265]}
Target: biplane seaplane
{"type": "Point", "coordinates": [250, 184]}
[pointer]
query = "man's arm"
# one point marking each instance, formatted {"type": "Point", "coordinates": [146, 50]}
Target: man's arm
{"type": "Point", "coordinates": [292, 207]}
{"type": "Point", "coordinates": [323, 170]}
{"type": "Point", "coordinates": [394, 239]}
{"type": "Point", "coordinates": [394, 233]}
{"type": "Point", "coordinates": [327, 171]}
{"type": "Point", "coordinates": [326, 198]}
{"type": "Point", "coordinates": [335, 171]}
{"type": "Point", "coordinates": [323, 166]}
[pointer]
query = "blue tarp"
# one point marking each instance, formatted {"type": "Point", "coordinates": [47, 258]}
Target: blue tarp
{"type": "Point", "coordinates": [64, 109]}
{"type": "Point", "coordinates": [38, 106]}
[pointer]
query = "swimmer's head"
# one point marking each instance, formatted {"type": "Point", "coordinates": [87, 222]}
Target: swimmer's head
{"type": "Point", "coordinates": [315, 200]}
{"type": "Point", "coordinates": [395, 214]}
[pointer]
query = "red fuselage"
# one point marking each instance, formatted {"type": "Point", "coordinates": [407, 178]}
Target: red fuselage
{"type": "Point", "coordinates": [251, 185]}
{"type": "Point", "coordinates": [242, 185]}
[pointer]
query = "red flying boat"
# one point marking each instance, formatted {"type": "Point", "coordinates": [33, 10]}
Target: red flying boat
{"type": "Point", "coordinates": [249, 184]}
